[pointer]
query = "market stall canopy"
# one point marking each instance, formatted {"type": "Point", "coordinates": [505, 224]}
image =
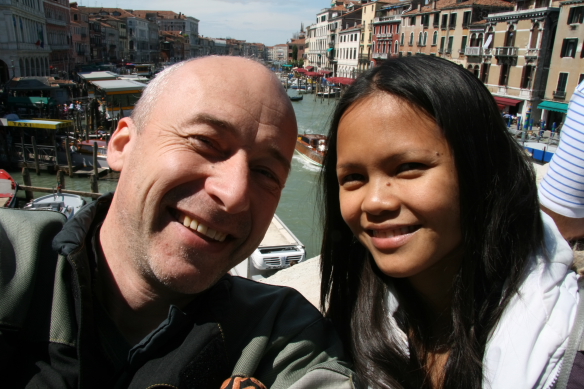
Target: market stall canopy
{"type": "Point", "coordinates": [113, 86]}
{"type": "Point", "coordinates": [325, 72]}
{"type": "Point", "coordinates": [506, 101]}
{"type": "Point", "coordinates": [341, 80]}
{"type": "Point", "coordinates": [309, 68]}
{"type": "Point", "coordinates": [287, 66]}
{"type": "Point", "coordinates": [553, 106]}
{"type": "Point", "coordinates": [313, 74]}
{"type": "Point", "coordinates": [30, 101]}
{"type": "Point", "coordinates": [301, 70]}
{"type": "Point", "coordinates": [31, 83]}
{"type": "Point", "coordinates": [98, 76]}
{"type": "Point", "coordinates": [41, 123]}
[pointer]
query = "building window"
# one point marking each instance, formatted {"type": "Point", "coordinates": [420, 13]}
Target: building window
{"type": "Point", "coordinates": [444, 23]}
{"type": "Point", "coordinates": [436, 22]}
{"type": "Point", "coordinates": [504, 76]}
{"type": "Point", "coordinates": [452, 21]}
{"type": "Point", "coordinates": [442, 40]}
{"type": "Point", "coordinates": [463, 44]}
{"type": "Point", "coordinates": [527, 77]}
{"type": "Point", "coordinates": [576, 15]}
{"type": "Point", "coordinates": [425, 38]}
{"type": "Point", "coordinates": [510, 37]}
{"type": "Point", "coordinates": [435, 38]}
{"type": "Point", "coordinates": [580, 79]}
{"type": "Point", "coordinates": [560, 92]}
{"type": "Point", "coordinates": [485, 72]}
{"type": "Point", "coordinates": [466, 19]}
{"type": "Point", "coordinates": [425, 20]}
{"type": "Point", "coordinates": [411, 42]}
{"type": "Point", "coordinates": [402, 39]}
{"type": "Point", "coordinates": [569, 47]}
{"type": "Point", "coordinates": [421, 39]}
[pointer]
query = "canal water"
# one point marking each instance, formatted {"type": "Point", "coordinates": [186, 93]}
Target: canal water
{"type": "Point", "coordinates": [297, 207]}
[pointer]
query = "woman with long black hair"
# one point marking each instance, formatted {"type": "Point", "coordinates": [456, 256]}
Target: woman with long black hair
{"type": "Point", "coordinates": [438, 269]}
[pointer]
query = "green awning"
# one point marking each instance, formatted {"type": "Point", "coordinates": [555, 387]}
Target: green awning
{"type": "Point", "coordinates": [553, 106]}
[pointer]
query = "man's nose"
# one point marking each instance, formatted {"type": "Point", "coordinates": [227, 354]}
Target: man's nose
{"type": "Point", "coordinates": [380, 196]}
{"type": "Point", "coordinates": [229, 183]}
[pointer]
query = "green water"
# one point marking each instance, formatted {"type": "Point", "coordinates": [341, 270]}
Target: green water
{"type": "Point", "coordinates": [297, 207]}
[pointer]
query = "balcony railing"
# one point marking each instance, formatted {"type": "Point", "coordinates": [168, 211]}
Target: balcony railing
{"type": "Point", "coordinates": [476, 51]}
{"type": "Point", "coordinates": [387, 18]}
{"type": "Point", "coordinates": [532, 53]}
{"type": "Point", "coordinates": [559, 94]}
{"type": "Point", "coordinates": [380, 55]}
{"type": "Point", "coordinates": [506, 51]}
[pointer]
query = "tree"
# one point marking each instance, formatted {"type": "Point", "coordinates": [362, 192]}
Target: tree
{"type": "Point", "coordinates": [295, 52]}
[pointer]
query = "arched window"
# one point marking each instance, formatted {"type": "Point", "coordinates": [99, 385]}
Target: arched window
{"type": "Point", "coordinates": [396, 50]}
{"type": "Point", "coordinates": [435, 38]}
{"type": "Point", "coordinates": [411, 38]}
{"type": "Point", "coordinates": [425, 38]}
{"type": "Point", "coordinates": [510, 37]}
{"type": "Point", "coordinates": [420, 39]}
{"type": "Point", "coordinates": [402, 38]}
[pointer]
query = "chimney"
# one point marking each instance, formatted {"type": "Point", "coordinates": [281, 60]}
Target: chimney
{"type": "Point", "coordinates": [419, 7]}
{"type": "Point", "coordinates": [434, 4]}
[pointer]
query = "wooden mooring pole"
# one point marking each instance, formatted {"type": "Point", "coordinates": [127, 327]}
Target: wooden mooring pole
{"type": "Point", "coordinates": [68, 154]}
{"type": "Point", "coordinates": [61, 179]}
{"type": "Point", "coordinates": [36, 156]}
{"type": "Point", "coordinates": [26, 179]}
{"type": "Point", "coordinates": [95, 169]}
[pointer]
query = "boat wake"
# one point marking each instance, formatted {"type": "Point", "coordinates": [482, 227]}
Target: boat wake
{"type": "Point", "coordinates": [305, 164]}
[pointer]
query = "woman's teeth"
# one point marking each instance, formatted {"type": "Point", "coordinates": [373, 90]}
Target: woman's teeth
{"type": "Point", "coordinates": [201, 228]}
{"type": "Point", "coordinates": [394, 232]}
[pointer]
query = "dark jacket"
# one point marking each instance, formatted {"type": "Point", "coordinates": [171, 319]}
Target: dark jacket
{"type": "Point", "coordinates": [52, 328]}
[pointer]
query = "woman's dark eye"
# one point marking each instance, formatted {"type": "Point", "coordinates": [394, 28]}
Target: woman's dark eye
{"type": "Point", "coordinates": [351, 178]}
{"type": "Point", "coordinates": [405, 167]}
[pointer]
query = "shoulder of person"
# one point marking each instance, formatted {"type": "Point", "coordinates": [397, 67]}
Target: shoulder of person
{"type": "Point", "coordinates": [285, 341]}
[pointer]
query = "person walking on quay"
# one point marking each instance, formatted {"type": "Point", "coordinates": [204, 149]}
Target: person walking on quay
{"type": "Point", "coordinates": [138, 293]}
{"type": "Point", "coordinates": [438, 268]}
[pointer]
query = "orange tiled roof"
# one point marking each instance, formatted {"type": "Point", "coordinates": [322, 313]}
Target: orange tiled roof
{"type": "Point", "coordinates": [452, 4]}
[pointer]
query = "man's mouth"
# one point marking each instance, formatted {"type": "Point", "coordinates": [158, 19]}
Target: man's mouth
{"type": "Point", "coordinates": [391, 233]}
{"type": "Point", "coordinates": [195, 225]}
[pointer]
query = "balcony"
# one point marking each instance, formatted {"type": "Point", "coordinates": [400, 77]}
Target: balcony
{"type": "Point", "coordinates": [532, 54]}
{"type": "Point", "coordinates": [387, 18]}
{"type": "Point", "coordinates": [380, 55]}
{"type": "Point", "coordinates": [506, 51]}
{"type": "Point", "coordinates": [473, 51]}
{"type": "Point", "coordinates": [559, 94]}
{"type": "Point", "coordinates": [448, 51]}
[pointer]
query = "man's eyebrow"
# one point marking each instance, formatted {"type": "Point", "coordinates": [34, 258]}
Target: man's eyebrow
{"type": "Point", "coordinates": [214, 121]}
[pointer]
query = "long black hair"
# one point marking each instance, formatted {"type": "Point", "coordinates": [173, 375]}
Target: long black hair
{"type": "Point", "coordinates": [500, 226]}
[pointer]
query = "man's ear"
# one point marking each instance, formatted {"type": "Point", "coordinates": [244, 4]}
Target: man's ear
{"type": "Point", "coordinates": [120, 144]}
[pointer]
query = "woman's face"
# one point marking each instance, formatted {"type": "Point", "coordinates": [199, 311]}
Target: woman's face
{"type": "Point", "coordinates": [398, 187]}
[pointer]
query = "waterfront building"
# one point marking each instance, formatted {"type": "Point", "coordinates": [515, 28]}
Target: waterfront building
{"type": "Point", "coordinates": [321, 39]}
{"type": "Point", "coordinates": [347, 51]}
{"type": "Point", "coordinates": [338, 22]}
{"type": "Point", "coordinates": [79, 35]}
{"type": "Point", "coordinates": [387, 30]}
{"type": "Point", "coordinates": [187, 26]}
{"type": "Point", "coordinates": [280, 53]}
{"type": "Point", "coordinates": [567, 62]}
{"type": "Point", "coordinates": [61, 57]}
{"type": "Point", "coordinates": [368, 16]}
{"type": "Point", "coordinates": [24, 48]}
{"type": "Point", "coordinates": [296, 48]}
{"type": "Point", "coordinates": [517, 55]}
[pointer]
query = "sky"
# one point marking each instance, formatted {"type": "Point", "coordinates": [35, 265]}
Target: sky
{"type": "Point", "coordinates": [269, 22]}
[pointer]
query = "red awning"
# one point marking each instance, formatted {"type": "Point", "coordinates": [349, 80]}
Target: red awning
{"type": "Point", "coordinates": [301, 70]}
{"type": "Point", "coordinates": [341, 80]}
{"type": "Point", "coordinates": [506, 101]}
{"type": "Point", "coordinates": [309, 68]}
{"type": "Point", "coordinates": [325, 72]}
{"type": "Point", "coordinates": [313, 74]}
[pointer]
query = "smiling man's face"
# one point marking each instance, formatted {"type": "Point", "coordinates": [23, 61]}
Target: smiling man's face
{"type": "Point", "coordinates": [201, 181]}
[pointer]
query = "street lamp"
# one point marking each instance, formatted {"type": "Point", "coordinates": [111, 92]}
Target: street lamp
{"type": "Point", "coordinates": [12, 61]}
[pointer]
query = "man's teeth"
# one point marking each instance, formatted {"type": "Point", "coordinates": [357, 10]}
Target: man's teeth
{"type": "Point", "coordinates": [201, 228]}
{"type": "Point", "coordinates": [392, 233]}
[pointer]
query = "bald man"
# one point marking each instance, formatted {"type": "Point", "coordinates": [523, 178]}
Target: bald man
{"type": "Point", "coordinates": [138, 295]}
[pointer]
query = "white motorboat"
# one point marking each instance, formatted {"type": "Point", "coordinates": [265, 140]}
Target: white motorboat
{"type": "Point", "coordinates": [67, 204]}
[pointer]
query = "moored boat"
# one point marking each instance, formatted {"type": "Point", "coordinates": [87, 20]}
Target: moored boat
{"type": "Point", "coordinates": [296, 98]}
{"type": "Point", "coordinates": [312, 147]}
{"type": "Point", "coordinates": [8, 188]}
{"type": "Point", "coordinates": [67, 204]}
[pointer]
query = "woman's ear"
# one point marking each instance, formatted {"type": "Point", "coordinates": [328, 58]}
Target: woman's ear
{"type": "Point", "coordinates": [120, 144]}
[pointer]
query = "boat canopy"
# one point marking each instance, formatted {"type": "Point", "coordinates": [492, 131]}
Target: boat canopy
{"type": "Point", "coordinates": [553, 106]}
{"type": "Point", "coordinates": [95, 76]}
{"type": "Point", "coordinates": [47, 124]}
